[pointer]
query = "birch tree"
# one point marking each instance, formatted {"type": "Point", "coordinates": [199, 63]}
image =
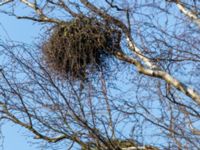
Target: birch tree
{"type": "Point", "coordinates": [153, 91]}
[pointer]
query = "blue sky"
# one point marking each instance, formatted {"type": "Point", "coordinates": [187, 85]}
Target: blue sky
{"type": "Point", "coordinates": [14, 140]}
{"type": "Point", "coordinates": [23, 31]}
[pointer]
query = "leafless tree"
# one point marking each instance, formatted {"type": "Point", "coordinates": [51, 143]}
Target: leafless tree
{"type": "Point", "coordinates": [151, 96]}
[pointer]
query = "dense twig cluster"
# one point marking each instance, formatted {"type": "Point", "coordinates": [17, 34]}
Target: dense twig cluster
{"type": "Point", "coordinates": [80, 48]}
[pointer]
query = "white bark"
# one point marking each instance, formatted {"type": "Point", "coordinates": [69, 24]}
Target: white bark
{"type": "Point", "coordinates": [162, 75]}
{"type": "Point", "coordinates": [192, 16]}
{"type": "Point", "coordinates": [138, 52]}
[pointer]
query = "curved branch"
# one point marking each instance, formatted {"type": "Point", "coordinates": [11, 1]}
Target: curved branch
{"type": "Point", "coordinates": [162, 75]}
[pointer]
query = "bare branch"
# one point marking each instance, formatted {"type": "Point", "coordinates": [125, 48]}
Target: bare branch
{"type": "Point", "coordinates": [5, 2]}
{"type": "Point", "coordinates": [192, 16]}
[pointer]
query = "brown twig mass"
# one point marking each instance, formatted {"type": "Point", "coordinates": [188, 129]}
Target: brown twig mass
{"type": "Point", "coordinates": [80, 47]}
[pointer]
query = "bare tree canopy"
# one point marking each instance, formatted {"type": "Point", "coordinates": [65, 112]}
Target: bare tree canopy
{"type": "Point", "coordinates": [108, 74]}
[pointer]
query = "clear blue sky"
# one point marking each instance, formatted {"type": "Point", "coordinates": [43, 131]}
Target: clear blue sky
{"type": "Point", "coordinates": [24, 31]}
